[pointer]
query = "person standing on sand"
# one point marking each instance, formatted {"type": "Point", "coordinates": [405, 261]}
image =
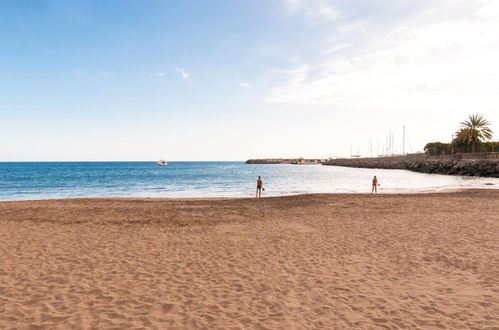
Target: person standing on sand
{"type": "Point", "coordinates": [375, 185]}
{"type": "Point", "coordinates": [259, 187]}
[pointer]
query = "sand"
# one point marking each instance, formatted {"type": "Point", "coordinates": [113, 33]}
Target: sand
{"type": "Point", "coordinates": [299, 262]}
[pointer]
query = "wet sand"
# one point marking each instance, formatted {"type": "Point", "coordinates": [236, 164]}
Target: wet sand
{"type": "Point", "coordinates": [301, 262]}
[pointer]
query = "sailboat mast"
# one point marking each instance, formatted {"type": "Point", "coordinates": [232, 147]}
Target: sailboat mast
{"type": "Point", "coordinates": [403, 140]}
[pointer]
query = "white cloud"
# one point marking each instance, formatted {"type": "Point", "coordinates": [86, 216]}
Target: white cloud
{"type": "Point", "coordinates": [245, 85]}
{"type": "Point", "coordinates": [186, 75]}
{"type": "Point", "coordinates": [314, 11]}
{"type": "Point", "coordinates": [443, 55]}
{"type": "Point", "coordinates": [336, 48]}
{"type": "Point", "coordinates": [158, 74]}
{"type": "Point", "coordinates": [351, 27]}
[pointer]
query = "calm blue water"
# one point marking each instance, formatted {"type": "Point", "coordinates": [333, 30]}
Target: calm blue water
{"type": "Point", "coordinates": [20, 181]}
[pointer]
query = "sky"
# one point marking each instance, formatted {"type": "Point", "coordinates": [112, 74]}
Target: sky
{"type": "Point", "coordinates": [232, 80]}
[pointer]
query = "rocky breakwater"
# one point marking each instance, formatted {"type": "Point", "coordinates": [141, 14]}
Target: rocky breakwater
{"type": "Point", "coordinates": [298, 161]}
{"type": "Point", "coordinates": [270, 161]}
{"type": "Point", "coordinates": [450, 165]}
{"type": "Point", "coordinates": [469, 167]}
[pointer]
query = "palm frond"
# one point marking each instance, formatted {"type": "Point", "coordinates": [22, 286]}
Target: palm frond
{"type": "Point", "coordinates": [475, 129]}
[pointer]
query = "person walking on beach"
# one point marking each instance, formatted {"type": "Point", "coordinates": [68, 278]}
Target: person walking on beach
{"type": "Point", "coordinates": [375, 185]}
{"type": "Point", "coordinates": [259, 187]}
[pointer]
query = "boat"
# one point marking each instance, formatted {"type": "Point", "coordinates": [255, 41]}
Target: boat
{"type": "Point", "coordinates": [162, 162]}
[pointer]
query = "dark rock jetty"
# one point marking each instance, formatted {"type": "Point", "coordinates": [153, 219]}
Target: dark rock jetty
{"type": "Point", "coordinates": [485, 165]}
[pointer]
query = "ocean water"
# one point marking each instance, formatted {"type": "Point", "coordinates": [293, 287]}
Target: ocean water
{"type": "Point", "coordinates": [43, 180]}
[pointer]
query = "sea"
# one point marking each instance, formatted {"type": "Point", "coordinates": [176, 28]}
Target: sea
{"type": "Point", "coordinates": [48, 180]}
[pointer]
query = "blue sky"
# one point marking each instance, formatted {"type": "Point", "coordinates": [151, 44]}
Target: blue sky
{"type": "Point", "coordinates": [231, 80]}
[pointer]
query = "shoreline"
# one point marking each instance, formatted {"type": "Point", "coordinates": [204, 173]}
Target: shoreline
{"type": "Point", "coordinates": [214, 198]}
{"type": "Point", "coordinates": [237, 182]}
{"type": "Point", "coordinates": [485, 165]}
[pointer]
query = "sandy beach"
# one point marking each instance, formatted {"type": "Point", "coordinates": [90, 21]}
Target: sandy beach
{"type": "Point", "coordinates": [297, 262]}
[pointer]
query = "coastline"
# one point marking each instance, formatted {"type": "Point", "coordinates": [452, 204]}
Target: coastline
{"type": "Point", "coordinates": [216, 198]}
{"type": "Point", "coordinates": [234, 179]}
{"type": "Point", "coordinates": [309, 261]}
{"type": "Point", "coordinates": [474, 164]}
{"type": "Point", "coordinates": [480, 164]}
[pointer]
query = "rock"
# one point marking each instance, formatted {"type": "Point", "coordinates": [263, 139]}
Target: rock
{"type": "Point", "coordinates": [468, 167]}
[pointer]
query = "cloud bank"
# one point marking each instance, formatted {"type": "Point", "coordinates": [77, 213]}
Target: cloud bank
{"type": "Point", "coordinates": [442, 53]}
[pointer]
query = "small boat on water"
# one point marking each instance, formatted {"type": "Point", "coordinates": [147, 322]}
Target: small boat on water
{"type": "Point", "coordinates": [162, 162]}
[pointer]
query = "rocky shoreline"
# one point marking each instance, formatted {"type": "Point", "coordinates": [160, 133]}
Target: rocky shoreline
{"type": "Point", "coordinates": [478, 164]}
{"type": "Point", "coordinates": [423, 164]}
{"type": "Point", "coordinates": [284, 161]}
{"type": "Point", "coordinates": [270, 161]}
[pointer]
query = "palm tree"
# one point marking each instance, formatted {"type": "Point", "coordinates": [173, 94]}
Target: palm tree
{"type": "Point", "coordinates": [462, 140]}
{"type": "Point", "coordinates": [475, 130]}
